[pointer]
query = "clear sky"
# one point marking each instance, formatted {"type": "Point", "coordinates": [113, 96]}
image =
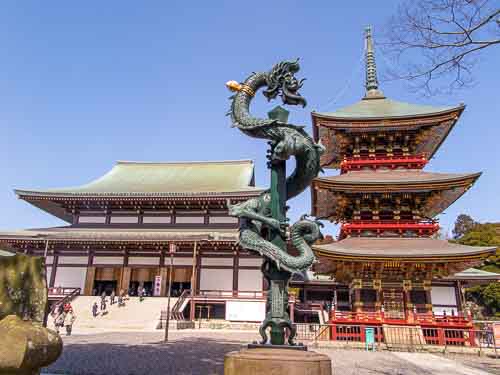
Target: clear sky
{"type": "Point", "coordinates": [83, 84]}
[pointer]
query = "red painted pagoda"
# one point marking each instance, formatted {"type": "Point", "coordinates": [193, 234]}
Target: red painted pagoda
{"type": "Point", "coordinates": [387, 265]}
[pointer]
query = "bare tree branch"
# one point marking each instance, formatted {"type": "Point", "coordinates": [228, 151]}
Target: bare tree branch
{"type": "Point", "coordinates": [436, 43]}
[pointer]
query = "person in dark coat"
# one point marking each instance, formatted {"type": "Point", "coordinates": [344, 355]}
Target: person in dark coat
{"type": "Point", "coordinates": [95, 307]}
{"type": "Point", "coordinates": [112, 297]}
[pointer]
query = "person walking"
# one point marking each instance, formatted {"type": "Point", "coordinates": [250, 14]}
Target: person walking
{"type": "Point", "coordinates": [95, 307]}
{"type": "Point", "coordinates": [103, 304]}
{"type": "Point", "coordinates": [112, 297]}
{"type": "Point", "coordinates": [69, 319]}
{"type": "Point", "coordinates": [59, 321]}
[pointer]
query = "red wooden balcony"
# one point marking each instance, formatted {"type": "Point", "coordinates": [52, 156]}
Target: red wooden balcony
{"type": "Point", "coordinates": [422, 228]}
{"type": "Point", "coordinates": [410, 162]}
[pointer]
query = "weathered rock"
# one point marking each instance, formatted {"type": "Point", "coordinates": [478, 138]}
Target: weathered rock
{"type": "Point", "coordinates": [23, 287]}
{"type": "Point", "coordinates": [26, 346]}
{"type": "Point", "coordinates": [276, 362]}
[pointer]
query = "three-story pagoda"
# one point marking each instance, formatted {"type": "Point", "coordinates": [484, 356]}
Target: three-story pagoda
{"type": "Point", "coordinates": [387, 257]}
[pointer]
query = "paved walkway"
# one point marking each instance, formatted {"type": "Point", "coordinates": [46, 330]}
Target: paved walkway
{"type": "Point", "coordinates": [202, 353]}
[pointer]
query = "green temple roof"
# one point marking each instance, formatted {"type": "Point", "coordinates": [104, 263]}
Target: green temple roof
{"type": "Point", "coordinates": [476, 274]}
{"type": "Point", "coordinates": [163, 179]}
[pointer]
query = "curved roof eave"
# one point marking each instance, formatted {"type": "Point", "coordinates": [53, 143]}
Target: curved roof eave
{"type": "Point", "coordinates": [419, 112]}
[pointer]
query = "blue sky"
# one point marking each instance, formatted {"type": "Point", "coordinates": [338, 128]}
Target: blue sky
{"type": "Point", "coordinates": [83, 84]}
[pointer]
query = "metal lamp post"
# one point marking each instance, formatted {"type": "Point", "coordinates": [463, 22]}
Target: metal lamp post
{"type": "Point", "coordinates": [171, 250]}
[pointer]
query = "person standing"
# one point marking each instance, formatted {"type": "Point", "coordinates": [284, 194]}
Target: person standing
{"type": "Point", "coordinates": [112, 297]}
{"type": "Point", "coordinates": [69, 319]}
{"type": "Point", "coordinates": [94, 309]}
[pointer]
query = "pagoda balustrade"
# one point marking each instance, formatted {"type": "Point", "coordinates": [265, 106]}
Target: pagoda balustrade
{"type": "Point", "coordinates": [391, 162]}
{"type": "Point", "coordinates": [378, 227]}
{"type": "Point", "coordinates": [410, 317]}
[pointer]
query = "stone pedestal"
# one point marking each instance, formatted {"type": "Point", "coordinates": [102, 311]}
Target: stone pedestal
{"type": "Point", "coordinates": [267, 361]}
{"type": "Point", "coordinates": [26, 347]}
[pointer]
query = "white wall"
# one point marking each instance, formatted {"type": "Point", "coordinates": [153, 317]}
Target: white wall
{"type": "Point", "coordinates": [250, 262]}
{"type": "Point", "coordinates": [216, 279]}
{"type": "Point", "coordinates": [216, 261]}
{"type": "Point", "coordinates": [70, 277]}
{"type": "Point", "coordinates": [443, 295]}
{"type": "Point", "coordinates": [245, 311]}
{"type": "Point", "coordinates": [249, 280]}
{"type": "Point", "coordinates": [72, 260]}
{"type": "Point", "coordinates": [153, 261]}
{"type": "Point", "coordinates": [108, 260]}
{"type": "Point", "coordinates": [184, 261]}
{"type": "Point", "coordinates": [47, 274]}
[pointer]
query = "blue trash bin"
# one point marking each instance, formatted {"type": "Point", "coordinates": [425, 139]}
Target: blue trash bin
{"type": "Point", "coordinates": [370, 338]}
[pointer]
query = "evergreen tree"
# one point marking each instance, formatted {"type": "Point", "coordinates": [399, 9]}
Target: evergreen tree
{"type": "Point", "coordinates": [463, 224]}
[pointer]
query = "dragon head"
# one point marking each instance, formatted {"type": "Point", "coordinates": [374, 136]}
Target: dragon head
{"type": "Point", "coordinates": [281, 81]}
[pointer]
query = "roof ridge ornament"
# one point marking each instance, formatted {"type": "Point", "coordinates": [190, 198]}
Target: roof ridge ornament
{"type": "Point", "coordinates": [371, 84]}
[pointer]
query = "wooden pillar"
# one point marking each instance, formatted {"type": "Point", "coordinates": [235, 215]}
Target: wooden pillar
{"type": "Point", "coordinates": [164, 281]}
{"type": "Point", "coordinates": [356, 286]}
{"type": "Point", "coordinates": [89, 281]}
{"type": "Point", "coordinates": [194, 282]}
{"type": "Point", "coordinates": [54, 271]}
{"type": "Point", "coordinates": [125, 279]}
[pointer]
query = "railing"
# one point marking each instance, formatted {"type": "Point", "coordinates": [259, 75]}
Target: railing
{"type": "Point", "coordinates": [67, 294]}
{"type": "Point", "coordinates": [230, 294]}
{"type": "Point", "coordinates": [353, 163]}
{"type": "Point", "coordinates": [339, 332]}
{"type": "Point", "coordinates": [411, 317]}
{"type": "Point", "coordinates": [61, 292]}
{"type": "Point", "coordinates": [175, 311]}
{"type": "Point", "coordinates": [410, 337]}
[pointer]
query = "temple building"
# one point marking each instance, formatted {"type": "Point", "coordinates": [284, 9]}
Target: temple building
{"type": "Point", "coordinates": [387, 265]}
{"type": "Point", "coordinates": [127, 229]}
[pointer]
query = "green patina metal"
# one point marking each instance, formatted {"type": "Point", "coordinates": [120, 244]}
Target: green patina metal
{"type": "Point", "coordinates": [265, 228]}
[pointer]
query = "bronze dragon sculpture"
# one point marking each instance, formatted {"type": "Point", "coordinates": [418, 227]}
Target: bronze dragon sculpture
{"type": "Point", "coordinates": [259, 224]}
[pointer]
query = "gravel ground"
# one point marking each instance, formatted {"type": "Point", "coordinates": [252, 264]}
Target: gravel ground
{"type": "Point", "coordinates": [202, 353]}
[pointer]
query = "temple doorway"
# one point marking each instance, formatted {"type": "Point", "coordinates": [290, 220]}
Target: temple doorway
{"type": "Point", "coordinates": [106, 280]}
{"type": "Point", "coordinates": [142, 278]}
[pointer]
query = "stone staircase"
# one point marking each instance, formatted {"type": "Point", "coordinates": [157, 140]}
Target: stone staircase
{"type": "Point", "coordinates": [134, 316]}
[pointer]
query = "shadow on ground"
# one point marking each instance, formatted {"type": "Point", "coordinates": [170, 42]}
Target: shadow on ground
{"type": "Point", "coordinates": [190, 356]}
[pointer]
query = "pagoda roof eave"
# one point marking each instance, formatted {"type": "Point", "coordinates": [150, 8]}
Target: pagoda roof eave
{"type": "Point", "coordinates": [385, 109]}
{"type": "Point", "coordinates": [362, 249]}
{"type": "Point", "coordinates": [401, 180]}
{"type": "Point", "coordinates": [326, 191]}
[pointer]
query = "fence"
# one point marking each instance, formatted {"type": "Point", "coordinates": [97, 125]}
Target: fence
{"type": "Point", "coordinates": [413, 336]}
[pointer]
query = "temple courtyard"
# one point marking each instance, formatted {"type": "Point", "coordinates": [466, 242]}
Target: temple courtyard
{"type": "Point", "coordinates": [199, 352]}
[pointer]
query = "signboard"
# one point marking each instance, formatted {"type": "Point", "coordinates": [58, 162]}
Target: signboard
{"type": "Point", "coordinates": [157, 286]}
{"type": "Point", "coordinates": [245, 311]}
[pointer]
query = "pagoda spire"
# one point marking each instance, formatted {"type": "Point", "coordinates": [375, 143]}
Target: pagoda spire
{"type": "Point", "coordinates": [371, 85]}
